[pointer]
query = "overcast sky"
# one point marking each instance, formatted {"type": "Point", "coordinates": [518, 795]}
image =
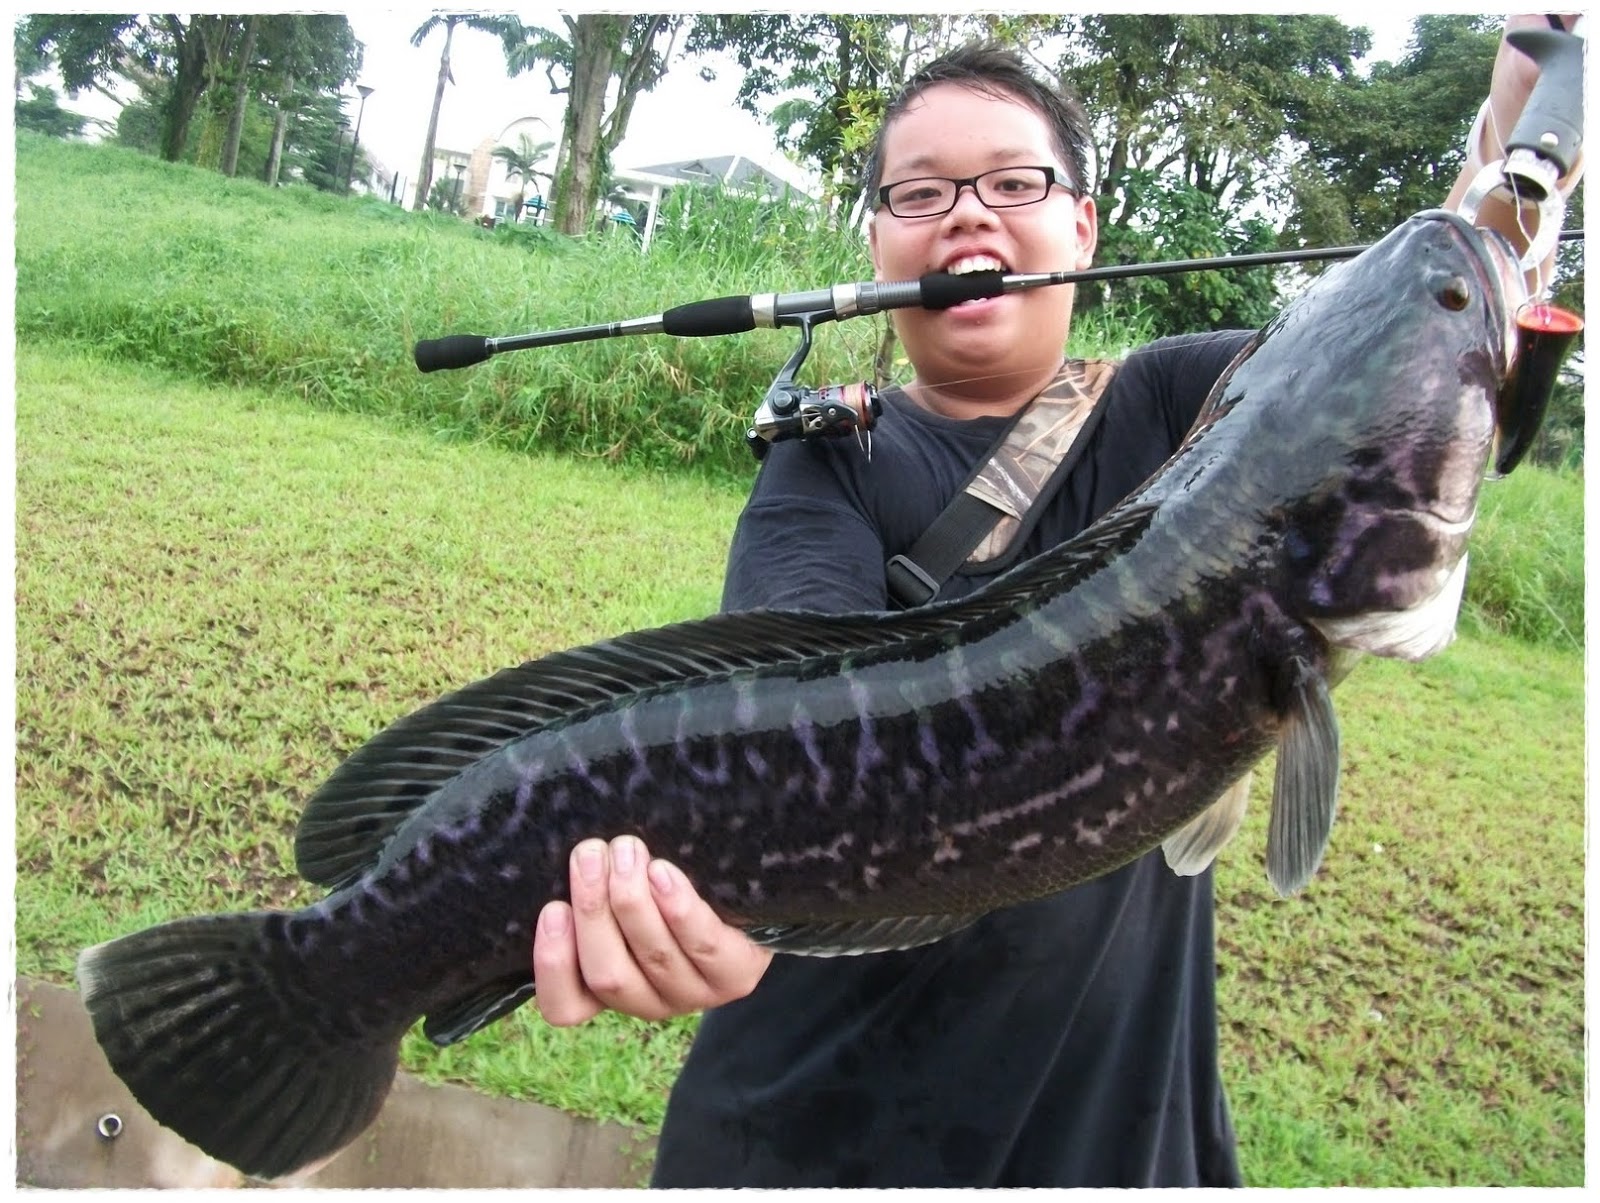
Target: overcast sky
{"type": "Point", "coordinates": [683, 117]}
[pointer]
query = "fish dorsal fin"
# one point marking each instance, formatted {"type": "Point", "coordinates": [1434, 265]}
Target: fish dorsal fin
{"type": "Point", "coordinates": [852, 938]}
{"type": "Point", "coordinates": [366, 799]}
{"type": "Point", "coordinates": [1192, 848]}
{"type": "Point", "coordinates": [1305, 790]}
{"type": "Point", "coordinates": [352, 815]}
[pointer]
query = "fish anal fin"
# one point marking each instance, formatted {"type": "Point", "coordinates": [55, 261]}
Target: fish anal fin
{"type": "Point", "coordinates": [1305, 789]}
{"type": "Point", "coordinates": [1190, 850]}
{"type": "Point", "coordinates": [845, 938]}
{"type": "Point", "coordinates": [457, 1020]}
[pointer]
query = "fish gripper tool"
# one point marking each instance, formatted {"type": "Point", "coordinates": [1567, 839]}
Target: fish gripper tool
{"type": "Point", "coordinates": [1546, 142]}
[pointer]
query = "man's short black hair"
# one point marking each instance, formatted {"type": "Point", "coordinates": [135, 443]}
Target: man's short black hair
{"type": "Point", "coordinates": [996, 70]}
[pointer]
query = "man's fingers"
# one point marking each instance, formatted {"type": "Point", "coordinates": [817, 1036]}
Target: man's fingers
{"type": "Point", "coordinates": [601, 893]}
{"type": "Point", "coordinates": [561, 996]}
{"type": "Point", "coordinates": [636, 939]}
{"type": "Point", "coordinates": [725, 959]}
{"type": "Point", "coordinates": [653, 945]}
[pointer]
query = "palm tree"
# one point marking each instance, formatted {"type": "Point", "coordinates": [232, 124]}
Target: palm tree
{"type": "Point", "coordinates": [508, 29]}
{"type": "Point", "coordinates": [522, 164]}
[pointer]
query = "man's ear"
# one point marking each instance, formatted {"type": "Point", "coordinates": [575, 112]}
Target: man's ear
{"type": "Point", "coordinates": [1088, 221]}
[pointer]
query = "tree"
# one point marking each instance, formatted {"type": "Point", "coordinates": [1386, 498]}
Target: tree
{"type": "Point", "coordinates": [1174, 219]}
{"type": "Point", "coordinates": [599, 49]}
{"type": "Point", "coordinates": [302, 56]}
{"type": "Point", "coordinates": [42, 113]}
{"type": "Point", "coordinates": [508, 29]}
{"type": "Point", "coordinates": [177, 62]}
{"type": "Point", "coordinates": [836, 72]}
{"type": "Point", "coordinates": [241, 92]}
{"type": "Point", "coordinates": [522, 164]}
{"type": "Point", "coordinates": [1382, 148]}
{"type": "Point", "coordinates": [1215, 100]}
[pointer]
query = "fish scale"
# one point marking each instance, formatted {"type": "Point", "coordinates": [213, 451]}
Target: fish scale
{"type": "Point", "coordinates": [839, 784]}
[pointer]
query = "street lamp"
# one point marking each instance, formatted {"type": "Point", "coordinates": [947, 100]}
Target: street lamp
{"type": "Point", "coordinates": [356, 141]}
{"type": "Point", "coordinates": [458, 168]}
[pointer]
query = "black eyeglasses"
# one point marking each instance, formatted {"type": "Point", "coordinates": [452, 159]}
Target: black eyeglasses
{"type": "Point", "coordinates": [1002, 188]}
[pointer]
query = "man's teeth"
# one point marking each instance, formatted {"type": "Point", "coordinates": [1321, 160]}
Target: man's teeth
{"type": "Point", "coordinates": [975, 263]}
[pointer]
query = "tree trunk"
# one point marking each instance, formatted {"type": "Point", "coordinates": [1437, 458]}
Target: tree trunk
{"type": "Point", "coordinates": [588, 134]}
{"type": "Point", "coordinates": [241, 94]}
{"type": "Point", "coordinates": [596, 41]}
{"type": "Point", "coordinates": [425, 172]}
{"type": "Point", "coordinates": [280, 125]}
{"type": "Point", "coordinates": [186, 88]}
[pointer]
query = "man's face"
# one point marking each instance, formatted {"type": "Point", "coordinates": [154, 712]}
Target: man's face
{"type": "Point", "coordinates": [952, 130]}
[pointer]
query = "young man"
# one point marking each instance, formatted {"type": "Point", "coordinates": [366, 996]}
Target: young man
{"type": "Point", "coordinates": [1067, 1042]}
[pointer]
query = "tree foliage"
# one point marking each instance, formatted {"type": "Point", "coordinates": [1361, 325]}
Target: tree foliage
{"type": "Point", "coordinates": [196, 77]}
{"type": "Point", "coordinates": [524, 163]}
{"type": "Point", "coordinates": [1389, 145]}
{"type": "Point", "coordinates": [42, 113]}
{"type": "Point", "coordinates": [597, 51]}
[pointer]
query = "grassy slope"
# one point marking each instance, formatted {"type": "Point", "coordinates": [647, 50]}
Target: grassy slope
{"type": "Point", "coordinates": [220, 593]}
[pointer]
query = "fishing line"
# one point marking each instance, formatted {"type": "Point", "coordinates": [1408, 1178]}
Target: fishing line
{"type": "Point", "coordinates": [1492, 128]}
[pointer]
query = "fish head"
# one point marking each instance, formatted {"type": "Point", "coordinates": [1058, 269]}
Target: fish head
{"type": "Point", "coordinates": [1417, 397]}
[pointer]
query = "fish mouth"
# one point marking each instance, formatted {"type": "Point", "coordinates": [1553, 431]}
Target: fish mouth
{"type": "Point", "coordinates": [1533, 339]}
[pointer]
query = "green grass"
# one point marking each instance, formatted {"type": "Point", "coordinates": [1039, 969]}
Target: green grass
{"type": "Point", "coordinates": [1527, 558]}
{"type": "Point", "coordinates": [219, 595]}
{"type": "Point", "coordinates": [1415, 1017]}
{"type": "Point", "coordinates": [324, 297]}
{"type": "Point", "coordinates": [222, 592]}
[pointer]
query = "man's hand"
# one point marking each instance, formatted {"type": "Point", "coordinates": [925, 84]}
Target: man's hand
{"type": "Point", "coordinates": [636, 939]}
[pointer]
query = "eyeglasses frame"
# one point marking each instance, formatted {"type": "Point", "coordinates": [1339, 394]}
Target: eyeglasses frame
{"type": "Point", "coordinates": [1051, 175]}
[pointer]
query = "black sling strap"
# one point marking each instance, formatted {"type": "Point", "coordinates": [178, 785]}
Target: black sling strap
{"type": "Point", "coordinates": [1009, 483]}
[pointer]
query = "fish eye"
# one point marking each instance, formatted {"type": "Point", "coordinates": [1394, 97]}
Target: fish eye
{"type": "Point", "coordinates": [1454, 294]}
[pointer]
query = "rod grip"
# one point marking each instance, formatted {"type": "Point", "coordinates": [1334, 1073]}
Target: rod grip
{"type": "Point", "coordinates": [720, 315]}
{"type": "Point", "coordinates": [941, 290]}
{"type": "Point", "coordinates": [451, 351]}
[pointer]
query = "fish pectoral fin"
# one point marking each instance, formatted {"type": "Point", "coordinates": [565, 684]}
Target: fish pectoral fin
{"type": "Point", "coordinates": [1191, 849]}
{"type": "Point", "coordinates": [1415, 634]}
{"type": "Point", "coordinates": [458, 1020]}
{"type": "Point", "coordinates": [848, 938]}
{"type": "Point", "coordinates": [1305, 790]}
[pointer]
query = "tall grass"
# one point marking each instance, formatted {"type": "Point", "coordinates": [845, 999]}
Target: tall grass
{"type": "Point", "coordinates": [229, 282]}
{"type": "Point", "coordinates": [1526, 558]}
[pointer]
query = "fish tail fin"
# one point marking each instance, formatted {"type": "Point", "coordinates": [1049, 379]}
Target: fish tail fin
{"type": "Point", "coordinates": [212, 1026]}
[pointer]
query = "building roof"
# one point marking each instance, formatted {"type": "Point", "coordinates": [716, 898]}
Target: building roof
{"type": "Point", "coordinates": [736, 171]}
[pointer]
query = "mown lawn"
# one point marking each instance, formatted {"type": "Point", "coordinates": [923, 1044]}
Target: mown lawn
{"type": "Point", "coordinates": [220, 593]}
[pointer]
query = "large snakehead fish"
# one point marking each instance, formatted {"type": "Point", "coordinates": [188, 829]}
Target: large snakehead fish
{"type": "Point", "coordinates": [841, 784]}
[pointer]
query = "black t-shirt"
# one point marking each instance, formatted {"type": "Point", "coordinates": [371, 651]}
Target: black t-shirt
{"type": "Point", "coordinates": [1070, 1041]}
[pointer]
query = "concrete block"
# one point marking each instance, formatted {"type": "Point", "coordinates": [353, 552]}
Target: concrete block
{"type": "Point", "coordinates": [426, 1136]}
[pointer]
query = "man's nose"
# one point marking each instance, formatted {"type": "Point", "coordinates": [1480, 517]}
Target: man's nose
{"type": "Point", "coordinates": [968, 203]}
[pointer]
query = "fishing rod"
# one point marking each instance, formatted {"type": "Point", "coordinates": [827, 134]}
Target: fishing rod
{"type": "Point", "coordinates": [937, 290]}
{"type": "Point", "coordinates": [790, 409]}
